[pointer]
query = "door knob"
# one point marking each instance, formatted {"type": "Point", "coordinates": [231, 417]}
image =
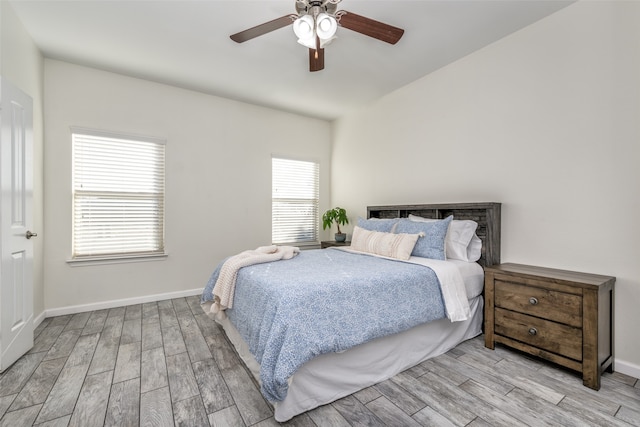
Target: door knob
{"type": "Point", "coordinates": [30, 234]}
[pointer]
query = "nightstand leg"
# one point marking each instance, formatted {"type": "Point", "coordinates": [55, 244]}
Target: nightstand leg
{"type": "Point", "coordinates": [489, 311]}
{"type": "Point", "coordinates": [590, 365]}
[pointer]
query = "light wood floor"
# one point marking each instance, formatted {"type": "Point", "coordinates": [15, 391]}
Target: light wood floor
{"type": "Point", "coordinates": [166, 363]}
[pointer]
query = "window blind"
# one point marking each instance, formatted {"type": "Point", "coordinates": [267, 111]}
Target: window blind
{"type": "Point", "coordinates": [295, 194]}
{"type": "Point", "coordinates": [118, 195]}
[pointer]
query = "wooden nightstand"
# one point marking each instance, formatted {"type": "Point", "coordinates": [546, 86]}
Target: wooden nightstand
{"type": "Point", "coordinates": [329, 243]}
{"type": "Point", "coordinates": [565, 317]}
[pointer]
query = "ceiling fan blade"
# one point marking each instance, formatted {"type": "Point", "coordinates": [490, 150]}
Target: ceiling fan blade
{"type": "Point", "coordinates": [316, 59]}
{"type": "Point", "coordinates": [261, 29]}
{"type": "Point", "coordinates": [370, 27]}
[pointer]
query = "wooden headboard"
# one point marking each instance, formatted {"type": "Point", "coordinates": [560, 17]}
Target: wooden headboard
{"type": "Point", "coordinates": [487, 215]}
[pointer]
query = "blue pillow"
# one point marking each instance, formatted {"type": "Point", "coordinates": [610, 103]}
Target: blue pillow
{"type": "Point", "coordinates": [431, 245]}
{"type": "Point", "coordinates": [374, 224]}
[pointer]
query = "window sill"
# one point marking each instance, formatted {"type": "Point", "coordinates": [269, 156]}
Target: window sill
{"type": "Point", "coordinates": [89, 261]}
{"type": "Point", "coordinates": [303, 246]}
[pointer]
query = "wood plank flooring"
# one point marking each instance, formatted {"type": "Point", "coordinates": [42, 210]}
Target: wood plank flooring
{"type": "Point", "coordinates": [166, 363]}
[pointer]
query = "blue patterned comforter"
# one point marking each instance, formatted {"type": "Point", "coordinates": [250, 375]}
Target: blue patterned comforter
{"type": "Point", "coordinates": [323, 301]}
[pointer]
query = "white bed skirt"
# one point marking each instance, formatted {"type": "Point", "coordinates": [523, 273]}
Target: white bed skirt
{"type": "Point", "coordinates": [334, 375]}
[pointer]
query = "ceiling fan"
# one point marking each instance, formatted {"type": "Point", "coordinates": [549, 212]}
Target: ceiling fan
{"type": "Point", "coordinates": [315, 23]}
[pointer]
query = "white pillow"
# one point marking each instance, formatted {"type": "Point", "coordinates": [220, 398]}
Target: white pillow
{"type": "Point", "coordinates": [461, 242]}
{"type": "Point", "coordinates": [391, 245]}
{"type": "Point", "coordinates": [474, 250]}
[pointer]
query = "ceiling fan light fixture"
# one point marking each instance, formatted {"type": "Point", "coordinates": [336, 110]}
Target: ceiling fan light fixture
{"type": "Point", "coordinates": [324, 42]}
{"type": "Point", "coordinates": [310, 43]}
{"type": "Point", "coordinates": [303, 27]}
{"type": "Point", "coordinates": [326, 26]}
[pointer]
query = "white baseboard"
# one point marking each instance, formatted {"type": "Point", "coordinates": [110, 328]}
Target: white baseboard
{"type": "Point", "coordinates": [39, 318]}
{"type": "Point", "coordinates": [72, 309]}
{"type": "Point", "coordinates": [627, 368]}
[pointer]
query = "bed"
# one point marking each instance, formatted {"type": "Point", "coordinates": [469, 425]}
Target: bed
{"type": "Point", "coordinates": [298, 372]}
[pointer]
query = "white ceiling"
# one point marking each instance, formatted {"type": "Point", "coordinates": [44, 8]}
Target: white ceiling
{"type": "Point", "coordinates": [186, 44]}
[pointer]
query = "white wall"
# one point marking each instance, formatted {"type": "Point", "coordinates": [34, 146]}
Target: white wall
{"type": "Point", "coordinates": [218, 177]}
{"type": "Point", "coordinates": [21, 63]}
{"type": "Point", "coordinates": [546, 121]}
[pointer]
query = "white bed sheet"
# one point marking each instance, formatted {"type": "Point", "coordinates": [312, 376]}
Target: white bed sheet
{"type": "Point", "coordinates": [331, 376]}
{"type": "Point", "coordinates": [473, 276]}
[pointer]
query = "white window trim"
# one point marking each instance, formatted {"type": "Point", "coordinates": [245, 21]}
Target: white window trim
{"type": "Point", "coordinates": [88, 260]}
{"type": "Point", "coordinates": [310, 243]}
{"type": "Point", "coordinates": [117, 135]}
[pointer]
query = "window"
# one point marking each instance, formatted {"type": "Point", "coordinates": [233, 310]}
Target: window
{"type": "Point", "coordinates": [118, 195]}
{"type": "Point", "coordinates": [294, 201]}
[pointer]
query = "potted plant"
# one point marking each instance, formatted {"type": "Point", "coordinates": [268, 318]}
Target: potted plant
{"type": "Point", "coordinates": [339, 216]}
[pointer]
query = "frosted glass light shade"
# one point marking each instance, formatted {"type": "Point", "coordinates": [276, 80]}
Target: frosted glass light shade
{"type": "Point", "coordinates": [324, 42]}
{"type": "Point", "coordinates": [303, 27]}
{"type": "Point", "coordinates": [326, 26]}
{"type": "Point", "coordinates": [310, 43]}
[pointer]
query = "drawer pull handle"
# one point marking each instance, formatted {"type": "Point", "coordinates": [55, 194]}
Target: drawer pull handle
{"type": "Point", "coordinates": [533, 331]}
{"type": "Point", "coordinates": [533, 301]}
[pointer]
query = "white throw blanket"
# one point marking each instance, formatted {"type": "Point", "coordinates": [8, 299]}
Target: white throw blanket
{"type": "Point", "coordinates": [226, 284]}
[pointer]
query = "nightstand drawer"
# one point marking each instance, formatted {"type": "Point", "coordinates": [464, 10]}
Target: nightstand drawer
{"type": "Point", "coordinates": [548, 304]}
{"type": "Point", "coordinates": [554, 337]}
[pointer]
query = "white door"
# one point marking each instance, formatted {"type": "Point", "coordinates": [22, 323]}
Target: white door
{"type": "Point", "coordinates": [16, 220]}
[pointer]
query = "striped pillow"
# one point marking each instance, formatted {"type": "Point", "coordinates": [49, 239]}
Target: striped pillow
{"type": "Point", "coordinates": [391, 245]}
